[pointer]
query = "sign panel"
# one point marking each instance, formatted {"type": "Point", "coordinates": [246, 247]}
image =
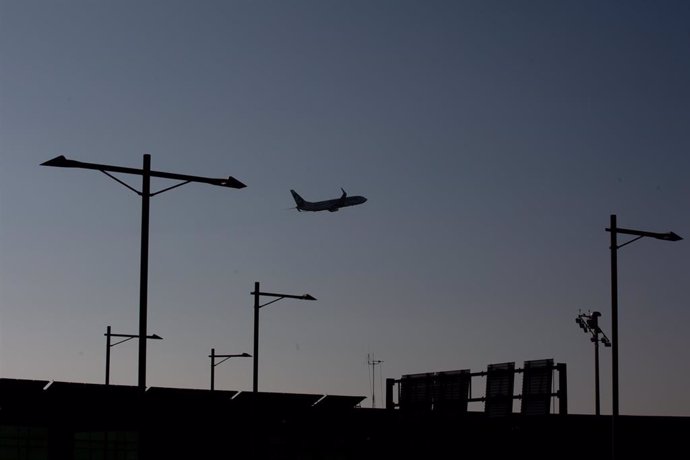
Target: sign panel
{"type": "Point", "coordinates": [536, 387]}
{"type": "Point", "coordinates": [500, 380]}
{"type": "Point", "coordinates": [416, 391]}
{"type": "Point", "coordinates": [451, 390]}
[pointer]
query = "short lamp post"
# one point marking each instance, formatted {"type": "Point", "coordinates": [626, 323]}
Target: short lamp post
{"type": "Point", "coordinates": [146, 174]}
{"type": "Point", "coordinates": [590, 324]}
{"type": "Point", "coordinates": [257, 294]}
{"type": "Point", "coordinates": [615, 230]}
{"type": "Point", "coordinates": [108, 334]}
{"type": "Point", "coordinates": [223, 358]}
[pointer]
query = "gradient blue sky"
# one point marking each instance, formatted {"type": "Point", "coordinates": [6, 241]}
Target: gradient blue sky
{"type": "Point", "coordinates": [492, 138]}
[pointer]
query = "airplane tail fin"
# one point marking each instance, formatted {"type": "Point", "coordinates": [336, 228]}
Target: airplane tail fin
{"type": "Point", "coordinates": [298, 199]}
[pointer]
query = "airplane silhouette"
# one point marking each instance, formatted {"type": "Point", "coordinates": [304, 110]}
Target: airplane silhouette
{"type": "Point", "coordinates": [327, 205]}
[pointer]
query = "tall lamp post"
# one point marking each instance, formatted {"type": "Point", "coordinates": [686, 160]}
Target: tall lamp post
{"type": "Point", "coordinates": [590, 323]}
{"type": "Point", "coordinates": [615, 230]}
{"type": "Point", "coordinates": [146, 173]}
{"type": "Point", "coordinates": [109, 345]}
{"type": "Point", "coordinates": [257, 294]}
{"type": "Point", "coordinates": [214, 356]}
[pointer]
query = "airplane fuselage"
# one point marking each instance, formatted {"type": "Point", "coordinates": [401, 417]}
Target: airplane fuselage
{"type": "Point", "coordinates": [327, 205]}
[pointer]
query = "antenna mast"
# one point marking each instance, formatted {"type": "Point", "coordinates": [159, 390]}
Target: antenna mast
{"type": "Point", "coordinates": [373, 362]}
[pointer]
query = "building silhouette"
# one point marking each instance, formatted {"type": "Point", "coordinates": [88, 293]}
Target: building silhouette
{"type": "Point", "coordinates": [40, 419]}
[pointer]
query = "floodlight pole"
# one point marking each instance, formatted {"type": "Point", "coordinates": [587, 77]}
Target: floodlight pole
{"type": "Point", "coordinates": [590, 323]}
{"type": "Point", "coordinates": [595, 339]}
{"type": "Point", "coordinates": [257, 293]}
{"type": "Point", "coordinates": [597, 397]}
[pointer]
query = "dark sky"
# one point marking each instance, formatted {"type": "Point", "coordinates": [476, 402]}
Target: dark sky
{"type": "Point", "coordinates": [493, 140]}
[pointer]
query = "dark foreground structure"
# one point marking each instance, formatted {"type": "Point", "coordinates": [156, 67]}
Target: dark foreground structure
{"type": "Point", "coordinates": [59, 420]}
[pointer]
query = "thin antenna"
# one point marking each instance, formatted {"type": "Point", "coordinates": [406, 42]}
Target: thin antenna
{"type": "Point", "coordinates": [373, 362]}
{"type": "Point", "coordinates": [381, 379]}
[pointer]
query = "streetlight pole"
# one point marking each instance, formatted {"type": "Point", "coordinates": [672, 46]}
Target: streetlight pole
{"type": "Point", "coordinates": [615, 230]}
{"type": "Point", "coordinates": [614, 316]}
{"type": "Point", "coordinates": [257, 293]}
{"type": "Point", "coordinates": [108, 334]}
{"type": "Point", "coordinates": [107, 356]}
{"type": "Point", "coordinates": [144, 268]}
{"type": "Point", "coordinates": [255, 363]}
{"type": "Point", "coordinates": [145, 194]}
{"type": "Point", "coordinates": [213, 357]}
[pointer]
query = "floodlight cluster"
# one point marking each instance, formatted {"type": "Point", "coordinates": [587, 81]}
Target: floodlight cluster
{"type": "Point", "coordinates": [589, 323]}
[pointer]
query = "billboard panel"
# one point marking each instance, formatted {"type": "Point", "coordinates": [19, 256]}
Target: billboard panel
{"type": "Point", "coordinates": [416, 391]}
{"type": "Point", "coordinates": [536, 387]}
{"type": "Point", "coordinates": [451, 390]}
{"type": "Point", "coordinates": [500, 380]}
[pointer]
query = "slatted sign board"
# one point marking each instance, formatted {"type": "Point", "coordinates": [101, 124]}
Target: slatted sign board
{"type": "Point", "coordinates": [536, 387]}
{"type": "Point", "coordinates": [500, 379]}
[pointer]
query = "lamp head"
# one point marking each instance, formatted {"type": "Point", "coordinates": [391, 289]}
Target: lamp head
{"type": "Point", "coordinates": [60, 162]}
{"type": "Point", "coordinates": [230, 182]}
{"type": "Point", "coordinates": [670, 236]}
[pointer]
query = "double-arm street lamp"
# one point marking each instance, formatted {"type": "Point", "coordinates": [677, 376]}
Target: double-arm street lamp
{"type": "Point", "coordinates": [615, 230]}
{"type": "Point", "coordinates": [146, 173]}
{"type": "Point", "coordinates": [214, 356]}
{"type": "Point", "coordinates": [257, 293]}
{"type": "Point", "coordinates": [109, 345]}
